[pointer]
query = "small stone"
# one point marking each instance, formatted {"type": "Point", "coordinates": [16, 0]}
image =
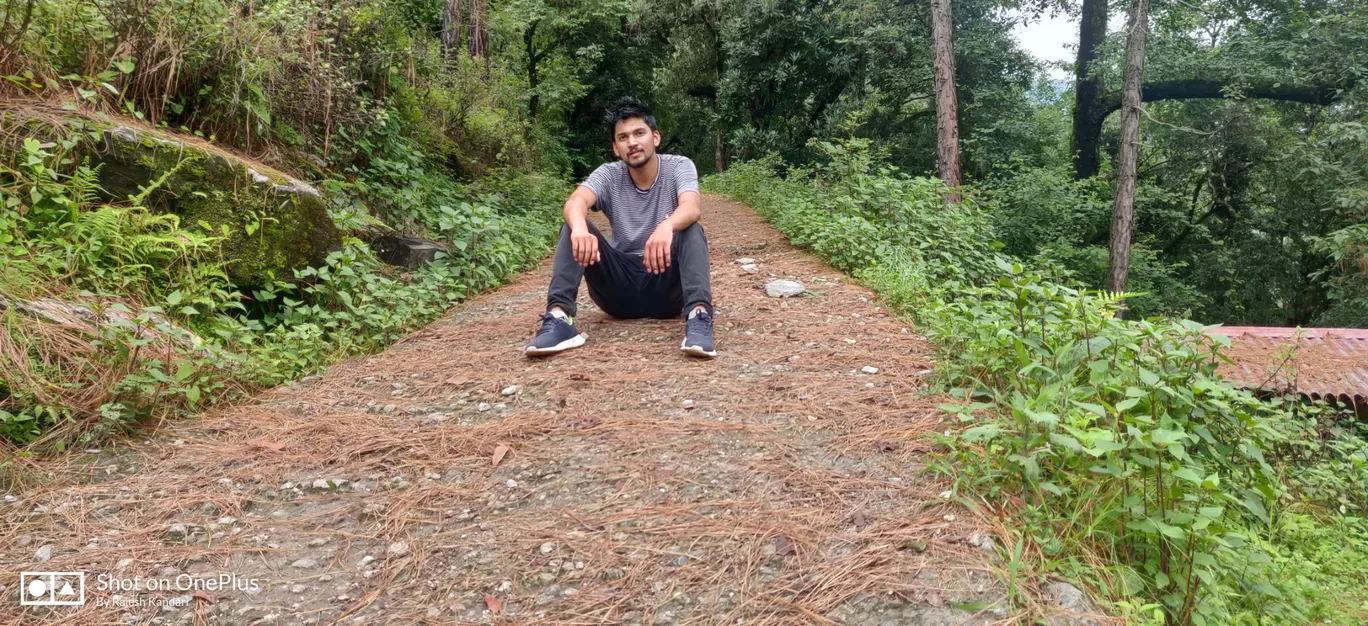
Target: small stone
{"type": "Point", "coordinates": [318, 543]}
{"type": "Point", "coordinates": [44, 553]}
{"type": "Point", "coordinates": [397, 549]}
{"type": "Point", "coordinates": [509, 390]}
{"type": "Point", "coordinates": [297, 588]}
{"type": "Point", "coordinates": [949, 517]}
{"type": "Point", "coordinates": [614, 574]}
{"type": "Point", "coordinates": [108, 510]}
{"type": "Point", "coordinates": [176, 532]}
{"type": "Point", "coordinates": [304, 563]}
{"type": "Point", "coordinates": [783, 288]}
{"type": "Point", "coordinates": [744, 261]}
{"type": "Point", "coordinates": [227, 521]}
{"type": "Point", "coordinates": [367, 560]}
{"type": "Point", "coordinates": [547, 548]}
{"type": "Point", "coordinates": [511, 483]}
{"type": "Point", "coordinates": [688, 404]}
{"type": "Point", "coordinates": [123, 564]}
{"type": "Point", "coordinates": [869, 369]}
{"type": "Point", "coordinates": [482, 407]}
{"type": "Point", "coordinates": [983, 542]}
{"type": "Point", "coordinates": [750, 268]}
{"type": "Point", "coordinates": [25, 541]}
{"type": "Point", "coordinates": [1067, 596]}
{"type": "Point", "coordinates": [793, 359]}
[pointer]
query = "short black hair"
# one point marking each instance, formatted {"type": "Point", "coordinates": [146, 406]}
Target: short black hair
{"type": "Point", "coordinates": [627, 108]}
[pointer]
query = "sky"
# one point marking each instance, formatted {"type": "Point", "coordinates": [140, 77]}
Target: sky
{"type": "Point", "coordinates": [1048, 39]}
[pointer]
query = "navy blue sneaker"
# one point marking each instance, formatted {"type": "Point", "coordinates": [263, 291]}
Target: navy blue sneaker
{"type": "Point", "coordinates": [698, 335]}
{"type": "Point", "coordinates": [557, 334]}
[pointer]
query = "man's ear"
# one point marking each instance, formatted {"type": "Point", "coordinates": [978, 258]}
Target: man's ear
{"type": "Point", "coordinates": [655, 137]}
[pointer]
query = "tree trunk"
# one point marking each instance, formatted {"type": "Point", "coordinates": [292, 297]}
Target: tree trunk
{"type": "Point", "coordinates": [720, 67]}
{"type": "Point", "coordinates": [1123, 213]}
{"type": "Point", "coordinates": [479, 31]}
{"type": "Point", "coordinates": [1092, 31]}
{"type": "Point", "coordinates": [529, 40]}
{"type": "Point", "coordinates": [719, 151]}
{"type": "Point", "coordinates": [947, 117]}
{"type": "Point", "coordinates": [451, 27]}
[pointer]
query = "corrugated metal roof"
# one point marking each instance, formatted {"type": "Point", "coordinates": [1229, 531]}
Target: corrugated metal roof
{"type": "Point", "coordinates": [1318, 363]}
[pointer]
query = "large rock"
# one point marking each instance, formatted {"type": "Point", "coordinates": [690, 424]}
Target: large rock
{"type": "Point", "coordinates": [409, 252]}
{"type": "Point", "coordinates": [291, 227]}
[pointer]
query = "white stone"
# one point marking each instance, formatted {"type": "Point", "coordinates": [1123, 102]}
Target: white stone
{"type": "Point", "coordinates": [869, 370]}
{"type": "Point", "coordinates": [509, 390]}
{"type": "Point", "coordinates": [783, 288]}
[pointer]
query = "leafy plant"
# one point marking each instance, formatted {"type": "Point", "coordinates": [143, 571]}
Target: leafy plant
{"type": "Point", "coordinates": [1108, 441]}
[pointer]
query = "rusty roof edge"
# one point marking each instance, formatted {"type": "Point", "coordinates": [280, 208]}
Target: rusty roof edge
{"type": "Point", "coordinates": [1289, 332]}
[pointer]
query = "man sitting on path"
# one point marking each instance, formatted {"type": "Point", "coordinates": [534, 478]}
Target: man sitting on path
{"type": "Point", "coordinates": [657, 263]}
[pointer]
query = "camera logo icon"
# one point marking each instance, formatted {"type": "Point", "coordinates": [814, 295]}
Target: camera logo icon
{"type": "Point", "coordinates": [52, 588]}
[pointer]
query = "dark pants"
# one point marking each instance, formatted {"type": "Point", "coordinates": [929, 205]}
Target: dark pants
{"type": "Point", "coordinates": [620, 285]}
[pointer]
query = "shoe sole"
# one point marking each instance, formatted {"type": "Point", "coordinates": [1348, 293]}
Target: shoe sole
{"type": "Point", "coordinates": [573, 342]}
{"type": "Point", "coordinates": [697, 351]}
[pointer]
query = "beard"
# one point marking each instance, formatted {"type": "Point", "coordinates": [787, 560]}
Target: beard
{"type": "Point", "coordinates": [639, 160]}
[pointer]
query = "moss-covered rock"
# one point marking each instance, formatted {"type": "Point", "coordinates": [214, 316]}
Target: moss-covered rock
{"type": "Point", "coordinates": [271, 223]}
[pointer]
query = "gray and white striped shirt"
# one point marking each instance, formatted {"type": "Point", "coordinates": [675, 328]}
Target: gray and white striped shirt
{"type": "Point", "coordinates": [634, 213]}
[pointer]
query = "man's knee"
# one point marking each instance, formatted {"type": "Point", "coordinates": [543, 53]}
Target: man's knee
{"type": "Point", "coordinates": [694, 233]}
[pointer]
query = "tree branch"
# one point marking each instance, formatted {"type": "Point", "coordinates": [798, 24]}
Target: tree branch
{"type": "Point", "coordinates": [1197, 88]}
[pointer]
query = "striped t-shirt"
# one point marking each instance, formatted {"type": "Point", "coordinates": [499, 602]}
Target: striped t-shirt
{"type": "Point", "coordinates": [634, 213]}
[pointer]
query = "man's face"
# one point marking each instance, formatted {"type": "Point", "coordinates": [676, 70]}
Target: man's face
{"type": "Point", "coordinates": [634, 142]}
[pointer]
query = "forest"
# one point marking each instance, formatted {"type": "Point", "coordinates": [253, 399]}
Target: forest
{"type": "Point", "coordinates": [1205, 162]}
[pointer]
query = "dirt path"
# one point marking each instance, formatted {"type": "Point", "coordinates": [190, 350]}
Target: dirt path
{"type": "Point", "coordinates": [451, 480]}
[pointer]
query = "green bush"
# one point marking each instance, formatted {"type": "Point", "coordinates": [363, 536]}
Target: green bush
{"type": "Point", "coordinates": [1112, 440]}
{"type": "Point", "coordinates": [176, 335]}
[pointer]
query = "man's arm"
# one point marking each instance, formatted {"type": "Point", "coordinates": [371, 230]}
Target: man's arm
{"type": "Point", "coordinates": [576, 211]}
{"type": "Point", "coordinates": [686, 213]}
{"type": "Point", "coordinates": [657, 255]}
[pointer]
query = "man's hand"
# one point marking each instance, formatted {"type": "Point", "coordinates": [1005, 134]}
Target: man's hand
{"type": "Point", "coordinates": [657, 256]}
{"type": "Point", "coordinates": [585, 247]}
